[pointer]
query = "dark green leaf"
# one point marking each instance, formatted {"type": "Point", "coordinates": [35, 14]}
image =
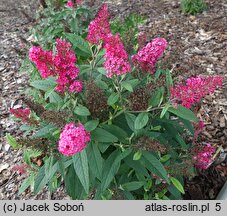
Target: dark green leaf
{"type": "Point", "coordinates": [111, 167]}
{"type": "Point", "coordinates": [44, 131]}
{"type": "Point", "coordinates": [132, 186]}
{"type": "Point", "coordinates": [80, 164]}
{"type": "Point", "coordinates": [26, 183]}
{"type": "Point", "coordinates": [73, 185]}
{"type": "Point", "coordinates": [116, 131]}
{"type": "Point", "coordinates": [101, 135]}
{"type": "Point", "coordinates": [91, 125]}
{"type": "Point", "coordinates": [95, 160]}
{"type": "Point", "coordinates": [155, 166]}
{"type": "Point", "coordinates": [41, 180]}
{"type": "Point", "coordinates": [183, 113]}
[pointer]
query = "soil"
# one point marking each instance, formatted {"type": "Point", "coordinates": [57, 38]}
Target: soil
{"type": "Point", "coordinates": [197, 45]}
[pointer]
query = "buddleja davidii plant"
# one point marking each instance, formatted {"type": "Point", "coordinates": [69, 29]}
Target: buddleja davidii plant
{"type": "Point", "coordinates": [112, 110]}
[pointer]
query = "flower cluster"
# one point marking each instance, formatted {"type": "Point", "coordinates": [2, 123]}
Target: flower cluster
{"type": "Point", "coordinates": [116, 58]}
{"type": "Point", "coordinates": [67, 71]}
{"type": "Point", "coordinates": [99, 28]}
{"type": "Point", "coordinates": [203, 158]}
{"type": "Point", "coordinates": [21, 168]}
{"type": "Point", "coordinates": [73, 139]}
{"type": "Point", "coordinates": [147, 57]}
{"type": "Point", "coordinates": [22, 114]}
{"type": "Point", "coordinates": [195, 89]}
{"type": "Point", "coordinates": [62, 64]}
{"type": "Point", "coordinates": [43, 61]}
{"type": "Point", "coordinates": [70, 4]}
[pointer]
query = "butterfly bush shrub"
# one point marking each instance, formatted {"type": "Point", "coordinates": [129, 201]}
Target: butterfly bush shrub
{"type": "Point", "coordinates": [102, 122]}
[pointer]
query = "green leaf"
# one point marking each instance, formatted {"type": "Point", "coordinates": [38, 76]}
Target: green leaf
{"type": "Point", "coordinates": [137, 166]}
{"type": "Point", "coordinates": [79, 42]}
{"type": "Point", "coordinates": [91, 125]}
{"type": "Point", "coordinates": [157, 97]}
{"type": "Point", "coordinates": [74, 26]}
{"type": "Point", "coordinates": [155, 166]}
{"type": "Point", "coordinates": [45, 85]}
{"type": "Point", "coordinates": [133, 82]}
{"type": "Point", "coordinates": [113, 98]}
{"type": "Point", "coordinates": [101, 84]}
{"type": "Point", "coordinates": [132, 186]}
{"type": "Point", "coordinates": [130, 118]}
{"type": "Point", "coordinates": [82, 111]}
{"type": "Point", "coordinates": [127, 86]}
{"type": "Point", "coordinates": [137, 155]}
{"type": "Point", "coordinates": [26, 183]}
{"type": "Point", "coordinates": [116, 131]}
{"type": "Point", "coordinates": [95, 160]}
{"type": "Point", "coordinates": [54, 97]}
{"type": "Point", "coordinates": [183, 113]}
{"type": "Point", "coordinates": [41, 180]}
{"type": "Point", "coordinates": [45, 131]}
{"type": "Point", "coordinates": [101, 70]}
{"type": "Point", "coordinates": [101, 135]}
{"type": "Point", "coordinates": [188, 125]}
{"type": "Point", "coordinates": [29, 153]}
{"type": "Point", "coordinates": [73, 185]}
{"type": "Point", "coordinates": [181, 141]}
{"type": "Point", "coordinates": [177, 184]}
{"type": "Point", "coordinates": [12, 141]}
{"type": "Point", "coordinates": [165, 158]}
{"type": "Point", "coordinates": [111, 167]}
{"type": "Point", "coordinates": [80, 164]}
{"type": "Point", "coordinates": [164, 110]}
{"type": "Point", "coordinates": [84, 69]}
{"type": "Point", "coordinates": [169, 79]}
{"type": "Point", "coordinates": [141, 120]}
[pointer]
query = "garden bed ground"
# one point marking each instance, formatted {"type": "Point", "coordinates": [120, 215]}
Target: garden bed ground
{"type": "Point", "coordinates": [197, 45]}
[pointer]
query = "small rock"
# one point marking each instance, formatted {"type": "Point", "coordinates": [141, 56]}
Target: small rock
{"type": "Point", "coordinates": [222, 122]}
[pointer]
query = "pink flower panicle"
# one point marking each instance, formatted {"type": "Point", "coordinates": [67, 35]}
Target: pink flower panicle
{"type": "Point", "coordinates": [99, 28]}
{"type": "Point", "coordinates": [195, 89]}
{"type": "Point", "coordinates": [21, 168]}
{"type": "Point", "coordinates": [73, 139]}
{"type": "Point", "coordinates": [70, 4]}
{"type": "Point", "coordinates": [43, 60]}
{"type": "Point", "coordinates": [22, 114]}
{"type": "Point", "coordinates": [116, 58]}
{"type": "Point", "coordinates": [147, 57]}
{"type": "Point", "coordinates": [203, 158]}
{"type": "Point", "coordinates": [61, 64]}
{"type": "Point", "coordinates": [64, 61]}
